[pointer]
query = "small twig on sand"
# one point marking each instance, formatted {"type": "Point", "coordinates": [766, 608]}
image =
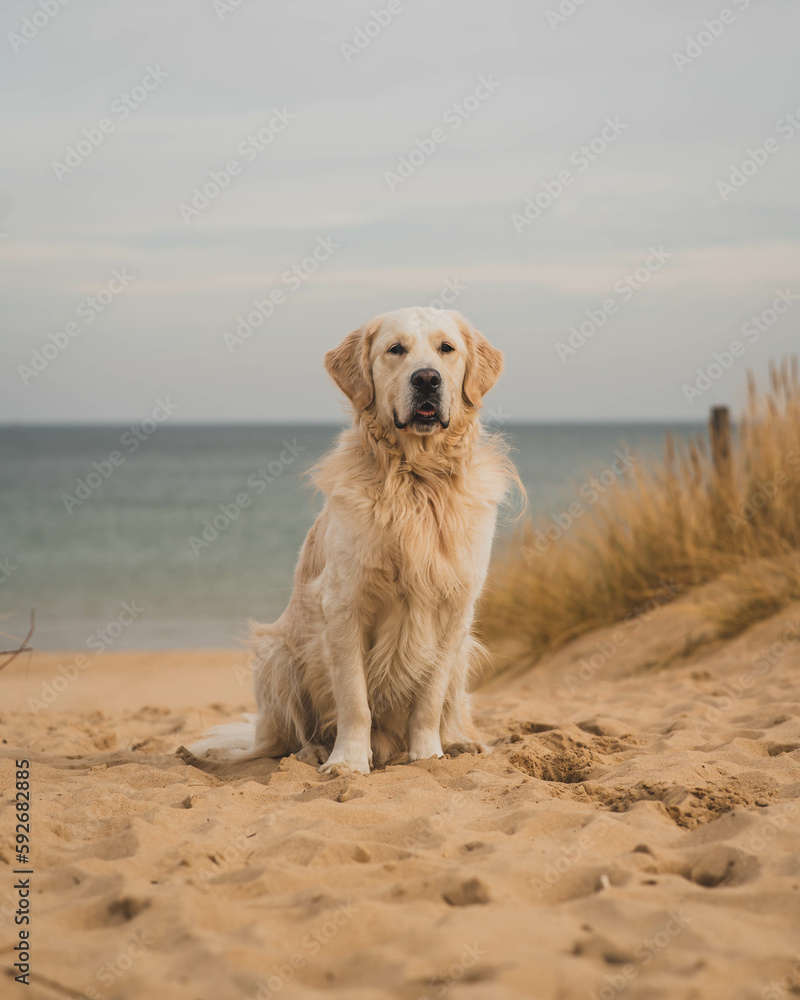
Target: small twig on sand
{"type": "Point", "coordinates": [12, 654]}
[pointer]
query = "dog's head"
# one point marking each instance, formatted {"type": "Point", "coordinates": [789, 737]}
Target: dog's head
{"type": "Point", "coordinates": [417, 369]}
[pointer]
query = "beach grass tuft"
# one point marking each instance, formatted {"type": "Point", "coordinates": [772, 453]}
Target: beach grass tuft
{"type": "Point", "coordinates": [695, 516]}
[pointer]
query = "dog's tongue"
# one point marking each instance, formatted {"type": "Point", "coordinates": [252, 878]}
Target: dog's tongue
{"type": "Point", "coordinates": [426, 410]}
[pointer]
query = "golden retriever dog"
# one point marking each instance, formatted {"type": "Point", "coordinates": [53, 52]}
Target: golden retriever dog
{"type": "Point", "coordinates": [373, 654]}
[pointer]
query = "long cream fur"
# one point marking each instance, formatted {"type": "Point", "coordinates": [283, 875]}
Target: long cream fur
{"type": "Point", "coordinates": [373, 654]}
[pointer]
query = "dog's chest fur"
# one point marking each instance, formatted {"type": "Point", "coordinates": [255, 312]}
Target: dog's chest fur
{"type": "Point", "coordinates": [434, 552]}
{"type": "Point", "coordinates": [428, 542]}
{"type": "Point", "coordinates": [415, 543]}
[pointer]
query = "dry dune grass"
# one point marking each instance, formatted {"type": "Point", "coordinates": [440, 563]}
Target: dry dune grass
{"type": "Point", "coordinates": [673, 526]}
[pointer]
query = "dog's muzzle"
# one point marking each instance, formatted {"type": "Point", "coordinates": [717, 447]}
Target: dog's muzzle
{"type": "Point", "coordinates": [426, 404]}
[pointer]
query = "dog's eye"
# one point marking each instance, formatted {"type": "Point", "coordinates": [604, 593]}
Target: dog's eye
{"type": "Point", "coordinates": [446, 348]}
{"type": "Point", "coordinates": [396, 349]}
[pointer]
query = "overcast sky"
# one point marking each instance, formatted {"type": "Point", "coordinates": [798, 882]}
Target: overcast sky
{"type": "Point", "coordinates": [663, 106]}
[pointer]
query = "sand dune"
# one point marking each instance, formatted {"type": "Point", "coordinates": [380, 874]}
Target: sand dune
{"type": "Point", "coordinates": [634, 833]}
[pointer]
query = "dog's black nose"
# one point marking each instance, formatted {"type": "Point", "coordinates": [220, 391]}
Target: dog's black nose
{"type": "Point", "coordinates": [426, 379]}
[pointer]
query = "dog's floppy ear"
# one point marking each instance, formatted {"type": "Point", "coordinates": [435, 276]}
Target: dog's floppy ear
{"type": "Point", "coordinates": [484, 363]}
{"type": "Point", "coordinates": [348, 365]}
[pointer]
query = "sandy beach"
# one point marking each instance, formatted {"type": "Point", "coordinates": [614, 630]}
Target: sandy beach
{"type": "Point", "coordinates": [634, 832]}
{"type": "Point", "coordinates": [410, 336]}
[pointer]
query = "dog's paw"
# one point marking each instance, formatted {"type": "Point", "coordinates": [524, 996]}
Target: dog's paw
{"type": "Point", "coordinates": [347, 759]}
{"type": "Point", "coordinates": [337, 768]}
{"type": "Point", "coordinates": [425, 750]}
{"type": "Point", "coordinates": [413, 755]}
{"type": "Point", "coordinates": [466, 746]}
{"type": "Point", "coordinates": [313, 754]}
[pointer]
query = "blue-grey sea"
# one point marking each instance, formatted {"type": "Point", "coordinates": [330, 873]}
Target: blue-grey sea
{"type": "Point", "coordinates": [163, 536]}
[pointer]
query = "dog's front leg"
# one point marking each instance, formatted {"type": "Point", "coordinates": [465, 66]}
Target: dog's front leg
{"type": "Point", "coordinates": [424, 726]}
{"type": "Point", "coordinates": [345, 656]}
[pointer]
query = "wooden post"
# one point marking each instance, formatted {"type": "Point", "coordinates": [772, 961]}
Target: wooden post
{"type": "Point", "coordinates": [719, 429]}
{"type": "Point", "coordinates": [722, 491]}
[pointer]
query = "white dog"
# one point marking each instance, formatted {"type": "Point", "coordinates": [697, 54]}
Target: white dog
{"type": "Point", "coordinates": [373, 654]}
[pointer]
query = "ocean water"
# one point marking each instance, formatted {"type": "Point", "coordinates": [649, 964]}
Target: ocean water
{"type": "Point", "coordinates": [126, 539]}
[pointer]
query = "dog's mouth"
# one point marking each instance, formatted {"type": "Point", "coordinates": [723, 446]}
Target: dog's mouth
{"type": "Point", "coordinates": [424, 416]}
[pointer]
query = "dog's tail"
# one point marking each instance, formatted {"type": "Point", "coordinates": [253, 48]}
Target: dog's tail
{"type": "Point", "coordinates": [234, 739]}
